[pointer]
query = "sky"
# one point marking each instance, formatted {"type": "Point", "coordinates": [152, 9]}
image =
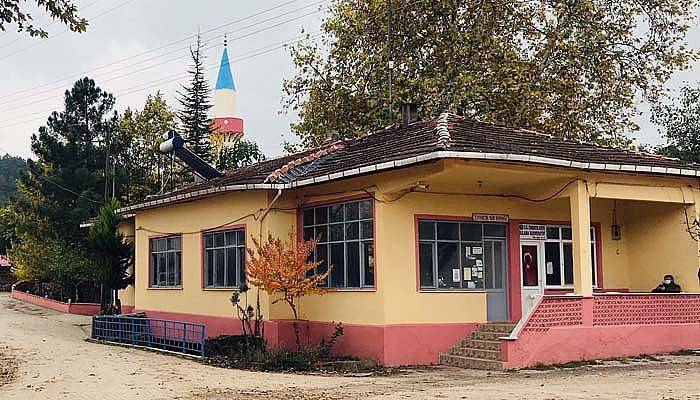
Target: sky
{"type": "Point", "coordinates": [136, 47]}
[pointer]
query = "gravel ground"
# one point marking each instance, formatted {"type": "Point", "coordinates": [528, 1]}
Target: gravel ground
{"type": "Point", "coordinates": [55, 362]}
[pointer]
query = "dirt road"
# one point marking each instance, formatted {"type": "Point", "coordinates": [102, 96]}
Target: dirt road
{"type": "Point", "coordinates": [54, 362]}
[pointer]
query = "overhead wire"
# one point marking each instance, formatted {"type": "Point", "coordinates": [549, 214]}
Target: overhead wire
{"type": "Point", "coordinates": [169, 44]}
{"type": "Point", "coordinates": [38, 43]}
{"type": "Point", "coordinates": [171, 78]}
{"type": "Point", "coordinates": [167, 61]}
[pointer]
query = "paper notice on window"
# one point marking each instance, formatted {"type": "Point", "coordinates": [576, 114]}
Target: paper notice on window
{"type": "Point", "coordinates": [479, 263]}
{"type": "Point", "coordinates": [467, 273]}
{"type": "Point", "coordinates": [477, 250]}
{"type": "Point", "coordinates": [467, 251]}
{"type": "Point", "coordinates": [550, 268]}
{"type": "Point", "coordinates": [455, 275]}
{"type": "Point", "coordinates": [481, 275]}
{"type": "Point", "coordinates": [471, 285]}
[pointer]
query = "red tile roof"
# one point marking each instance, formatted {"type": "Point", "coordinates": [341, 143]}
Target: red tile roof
{"type": "Point", "coordinates": [448, 136]}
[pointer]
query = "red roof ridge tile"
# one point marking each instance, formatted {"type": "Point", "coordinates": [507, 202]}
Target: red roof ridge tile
{"type": "Point", "coordinates": [312, 156]}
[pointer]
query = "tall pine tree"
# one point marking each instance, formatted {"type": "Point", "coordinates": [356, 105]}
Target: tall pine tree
{"type": "Point", "coordinates": [196, 101]}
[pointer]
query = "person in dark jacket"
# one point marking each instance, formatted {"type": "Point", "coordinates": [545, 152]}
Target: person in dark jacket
{"type": "Point", "coordinates": [669, 286]}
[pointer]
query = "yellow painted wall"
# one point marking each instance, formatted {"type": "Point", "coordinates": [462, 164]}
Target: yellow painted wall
{"type": "Point", "coordinates": [657, 233]}
{"type": "Point", "coordinates": [190, 219]}
{"type": "Point", "coordinates": [396, 299]}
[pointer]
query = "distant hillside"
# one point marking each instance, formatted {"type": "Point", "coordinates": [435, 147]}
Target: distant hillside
{"type": "Point", "coordinates": [10, 169]}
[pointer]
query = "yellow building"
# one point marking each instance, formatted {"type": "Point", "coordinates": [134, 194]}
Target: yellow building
{"type": "Point", "coordinates": [439, 231]}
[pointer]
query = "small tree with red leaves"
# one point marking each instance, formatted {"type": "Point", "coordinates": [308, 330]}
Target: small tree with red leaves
{"type": "Point", "coordinates": [286, 268]}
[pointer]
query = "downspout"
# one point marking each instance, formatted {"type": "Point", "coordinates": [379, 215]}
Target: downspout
{"type": "Point", "coordinates": [267, 211]}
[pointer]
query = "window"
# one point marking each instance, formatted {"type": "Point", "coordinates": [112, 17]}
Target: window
{"type": "Point", "coordinates": [461, 255]}
{"type": "Point", "coordinates": [224, 259]}
{"type": "Point", "coordinates": [346, 232]}
{"type": "Point", "coordinates": [166, 262]}
{"type": "Point", "coordinates": [559, 261]}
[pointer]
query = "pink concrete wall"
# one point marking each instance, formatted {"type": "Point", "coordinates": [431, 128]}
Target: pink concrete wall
{"type": "Point", "coordinates": [568, 328]}
{"type": "Point", "coordinates": [72, 308]}
{"type": "Point", "coordinates": [402, 344]}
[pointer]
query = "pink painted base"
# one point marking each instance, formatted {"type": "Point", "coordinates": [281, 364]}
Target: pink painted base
{"type": "Point", "coordinates": [67, 308]}
{"type": "Point", "coordinates": [564, 344]}
{"type": "Point", "coordinates": [402, 344]}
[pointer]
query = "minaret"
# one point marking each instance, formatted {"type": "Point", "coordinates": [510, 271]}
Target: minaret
{"type": "Point", "coordinates": [225, 97]}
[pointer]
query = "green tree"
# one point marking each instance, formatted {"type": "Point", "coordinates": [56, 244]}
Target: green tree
{"type": "Point", "coordinates": [571, 69]}
{"type": "Point", "coordinates": [112, 254]}
{"type": "Point", "coordinates": [680, 125]}
{"type": "Point", "coordinates": [195, 104]}
{"type": "Point", "coordinates": [11, 168]}
{"type": "Point", "coordinates": [13, 12]}
{"type": "Point", "coordinates": [241, 154]}
{"type": "Point", "coordinates": [65, 184]}
{"type": "Point", "coordinates": [140, 161]}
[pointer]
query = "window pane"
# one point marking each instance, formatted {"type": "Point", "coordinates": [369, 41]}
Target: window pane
{"type": "Point", "coordinates": [448, 260]}
{"type": "Point", "coordinates": [552, 263]}
{"type": "Point", "coordinates": [352, 231]}
{"type": "Point", "coordinates": [322, 233]}
{"type": "Point", "coordinates": [366, 209]}
{"type": "Point", "coordinates": [338, 263]}
{"type": "Point", "coordinates": [174, 243]}
{"type": "Point", "coordinates": [230, 238]}
{"type": "Point", "coordinates": [240, 237]}
{"type": "Point", "coordinates": [208, 240]}
{"type": "Point", "coordinates": [337, 233]}
{"type": "Point", "coordinates": [231, 269]}
{"type": "Point", "coordinates": [366, 230]}
{"type": "Point", "coordinates": [499, 264]}
{"type": "Point", "coordinates": [308, 216]}
{"type": "Point", "coordinates": [171, 274]}
{"type": "Point", "coordinates": [352, 211]}
{"type": "Point", "coordinates": [218, 240]}
{"type": "Point", "coordinates": [488, 265]}
{"type": "Point", "coordinates": [241, 265]}
{"type": "Point", "coordinates": [162, 269]}
{"type": "Point", "coordinates": [426, 230]}
{"type": "Point", "coordinates": [219, 267]}
{"type": "Point", "coordinates": [593, 264]}
{"type": "Point", "coordinates": [426, 265]}
{"type": "Point", "coordinates": [308, 233]}
{"type": "Point", "coordinates": [368, 261]}
{"type": "Point", "coordinates": [353, 256]}
{"type": "Point", "coordinates": [178, 268]}
{"type": "Point", "coordinates": [335, 213]}
{"type": "Point", "coordinates": [209, 268]}
{"type": "Point", "coordinates": [322, 258]}
{"type": "Point", "coordinates": [494, 230]}
{"type": "Point", "coordinates": [447, 231]}
{"type": "Point", "coordinates": [154, 269]}
{"type": "Point", "coordinates": [566, 233]}
{"type": "Point", "coordinates": [158, 244]}
{"type": "Point", "coordinates": [568, 264]}
{"type": "Point", "coordinates": [552, 232]}
{"type": "Point", "coordinates": [529, 264]}
{"type": "Point", "coordinates": [471, 232]}
{"type": "Point", "coordinates": [321, 215]}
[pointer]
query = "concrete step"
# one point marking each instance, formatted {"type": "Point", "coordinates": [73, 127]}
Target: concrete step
{"type": "Point", "coordinates": [485, 335]}
{"type": "Point", "coordinates": [494, 345]}
{"type": "Point", "coordinates": [472, 352]}
{"type": "Point", "coordinates": [502, 327]}
{"type": "Point", "coordinates": [469, 362]}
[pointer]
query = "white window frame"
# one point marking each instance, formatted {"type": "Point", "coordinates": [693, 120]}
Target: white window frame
{"type": "Point", "coordinates": [561, 241]}
{"type": "Point", "coordinates": [239, 262]}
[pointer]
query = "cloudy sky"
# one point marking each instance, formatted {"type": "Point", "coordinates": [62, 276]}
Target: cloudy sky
{"type": "Point", "coordinates": [135, 47]}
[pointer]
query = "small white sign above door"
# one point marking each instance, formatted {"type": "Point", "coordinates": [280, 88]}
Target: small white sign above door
{"type": "Point", "coordinates": [478, 217]}
{"type": "Point", "coordinates": [533, 232]}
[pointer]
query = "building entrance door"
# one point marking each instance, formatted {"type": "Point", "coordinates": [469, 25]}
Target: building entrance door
{"type": "Point", "coordinates": [531, 266]}
{"type": "Point", "coordinates": [495, 280]}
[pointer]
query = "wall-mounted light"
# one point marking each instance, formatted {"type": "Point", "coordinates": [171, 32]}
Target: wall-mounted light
{"type": "Point", "coordinates": [615, 227]}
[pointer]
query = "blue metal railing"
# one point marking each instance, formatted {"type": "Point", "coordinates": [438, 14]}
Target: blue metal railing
{"type": "Point", "coordinates": [177, 336]}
